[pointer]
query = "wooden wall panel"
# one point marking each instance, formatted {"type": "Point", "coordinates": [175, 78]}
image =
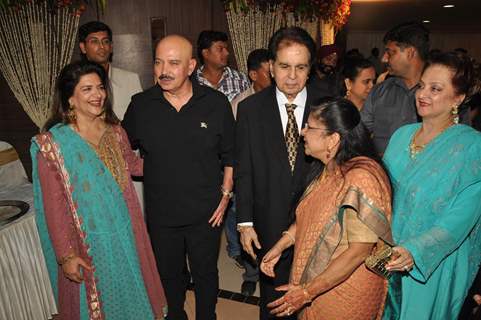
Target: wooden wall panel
{"type": "Point", "coordinates": [130, 22]}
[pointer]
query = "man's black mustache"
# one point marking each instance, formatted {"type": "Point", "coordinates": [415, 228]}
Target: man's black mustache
{"type": "Point", "coordinates": [165, 77]}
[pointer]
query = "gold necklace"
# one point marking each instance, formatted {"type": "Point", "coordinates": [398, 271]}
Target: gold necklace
{"type": "Point", "coordinates": [415, 149]}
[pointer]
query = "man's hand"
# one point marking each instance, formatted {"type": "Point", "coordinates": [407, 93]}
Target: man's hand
{"type": "Point", "coordinates": [247, 236]}
{"type": "Point", "coordinates": [216, 218]}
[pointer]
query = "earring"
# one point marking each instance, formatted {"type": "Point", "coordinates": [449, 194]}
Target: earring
{"type": "Point", "coordinates": [71, 117]}
{"type": "Point", "coordinates": [348, 94]}
{"type": "Point", "coordinates": [454, 112]}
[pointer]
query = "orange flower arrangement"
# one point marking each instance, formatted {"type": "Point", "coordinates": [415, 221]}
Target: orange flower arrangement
{"type": "Point", "coordinates": [336, 11]}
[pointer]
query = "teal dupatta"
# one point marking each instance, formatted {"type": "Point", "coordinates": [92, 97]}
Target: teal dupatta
{"type": "Point", "coordinates": [436, 216]}
{"type": "Point", "coordinates": [115, 289]}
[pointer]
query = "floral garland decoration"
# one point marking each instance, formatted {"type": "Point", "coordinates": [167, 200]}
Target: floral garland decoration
{"type": "Point", "coordinates": [79, 6]}
{"type": "Point", "coordinates": [335, 11]}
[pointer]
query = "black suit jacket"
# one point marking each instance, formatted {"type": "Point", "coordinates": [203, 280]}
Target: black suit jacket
{"type": "Point", "coordinates": [266, 189]}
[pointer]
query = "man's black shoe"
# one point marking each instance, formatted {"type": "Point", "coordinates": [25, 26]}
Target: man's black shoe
{"type": "Point", "coordinates": [248, 288]}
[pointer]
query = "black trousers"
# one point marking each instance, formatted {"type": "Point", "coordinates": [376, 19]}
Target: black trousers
{"type": "Point", "coordinates": [200, 245]}
{"type": "Point", "coordinates": [267, 285]}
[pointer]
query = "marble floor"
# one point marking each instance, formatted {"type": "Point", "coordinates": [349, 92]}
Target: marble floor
{"type": "Point", "coordinates": [230, 280]}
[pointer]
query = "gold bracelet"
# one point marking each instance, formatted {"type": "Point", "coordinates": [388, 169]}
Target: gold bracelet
{"type": "Point", "coordinates": [289, 236]}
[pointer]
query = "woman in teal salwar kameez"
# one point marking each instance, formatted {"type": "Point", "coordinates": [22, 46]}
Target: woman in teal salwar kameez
{"type": "Point", "coordinates": [435, 169]}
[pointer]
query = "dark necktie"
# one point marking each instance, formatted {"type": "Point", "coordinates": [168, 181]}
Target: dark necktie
{"type": "Point", "coordinates": [292, 135]}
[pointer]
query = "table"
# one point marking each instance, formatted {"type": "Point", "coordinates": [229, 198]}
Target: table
{"type": "Point", "coordinates": [25, 290]}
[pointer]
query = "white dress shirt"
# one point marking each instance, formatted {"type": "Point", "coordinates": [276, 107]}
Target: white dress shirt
{"type": "Point", "coordinates": [299, 101]}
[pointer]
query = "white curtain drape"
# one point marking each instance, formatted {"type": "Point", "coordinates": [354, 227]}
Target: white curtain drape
{"type": "Point", "coordinates": [253, 29]}
{"type": "Point", "coordinates": [36, 42]}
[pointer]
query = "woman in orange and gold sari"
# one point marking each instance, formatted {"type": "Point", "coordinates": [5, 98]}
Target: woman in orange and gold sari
{"type": "Point", "coordinates": [342, 218]}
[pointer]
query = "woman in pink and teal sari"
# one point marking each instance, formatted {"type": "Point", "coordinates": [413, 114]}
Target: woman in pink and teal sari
{"type": "Point", "coordinates": [93, 236]}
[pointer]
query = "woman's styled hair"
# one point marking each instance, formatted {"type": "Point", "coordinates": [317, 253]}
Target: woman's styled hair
{"type": "Point", "coordinates": [341, 116]}
{"type": "Point", "coordinates": [464, 79]}
{"type": "Point", "coordinates": [67, 81]}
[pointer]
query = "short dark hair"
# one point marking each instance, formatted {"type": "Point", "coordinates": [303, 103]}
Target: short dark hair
{"type": "Point", "coordinates": [410, 34]}
{"type": "Point", "coordinates": [206, 39]}
{"type": "Point", "coordinates": [463, 79]}
{"type": "Point", "coordinates": [291, 35]}
{"type": "Point", "coordinates": [351, 69]}
{"type": "Point", "coordinates": [91, 27]}
{"type": "Point", "coordinates": [256, 58]}
{"type": "Point", "coordinates": [375, 51]}
{"type": "Point", "coordinates": [67, 81]}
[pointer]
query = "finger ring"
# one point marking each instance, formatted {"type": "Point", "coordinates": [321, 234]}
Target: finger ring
{"type": "Point", "coordinates": [289, 311]}
{"type": "Point", "coordinates": [406, 268]}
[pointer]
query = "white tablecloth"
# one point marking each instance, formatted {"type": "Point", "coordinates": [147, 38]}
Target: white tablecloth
{"type": "Point", "coordinates": [25, 291]}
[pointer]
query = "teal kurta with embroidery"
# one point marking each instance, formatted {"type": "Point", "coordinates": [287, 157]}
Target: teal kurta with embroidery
{"type": "Point", "coordinates": [436, 216]}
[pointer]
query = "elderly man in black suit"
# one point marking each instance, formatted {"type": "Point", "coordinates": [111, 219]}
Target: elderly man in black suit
{"type": "Point", "coordinates": [270, 164]}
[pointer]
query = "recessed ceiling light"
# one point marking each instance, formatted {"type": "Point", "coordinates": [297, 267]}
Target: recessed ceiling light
{"type": "Point", "coordinates": [448, 6]}
{"type": "Point", "coordinates": [426, 21]}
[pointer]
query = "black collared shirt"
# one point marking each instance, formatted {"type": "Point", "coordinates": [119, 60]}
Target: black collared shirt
{"type": "Point", "coordinates": [183, 153]}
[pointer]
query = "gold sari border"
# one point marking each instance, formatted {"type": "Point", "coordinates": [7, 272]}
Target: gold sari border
{"type": "Point", "coordinates": [51, 151]}
{"type": "Point", "coordinates": [8, 155]}
{"type": "Point", "coordinates": [372, 216]}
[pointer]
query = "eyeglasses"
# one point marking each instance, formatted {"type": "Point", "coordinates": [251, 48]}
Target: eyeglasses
{"type": "Point", "coordinates": [95, 41]}
{"type": "Point", "coordinates": [308, 127]}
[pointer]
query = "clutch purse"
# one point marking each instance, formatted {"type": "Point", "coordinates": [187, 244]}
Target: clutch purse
{"type": "Point", "coordinates": [377, 261]}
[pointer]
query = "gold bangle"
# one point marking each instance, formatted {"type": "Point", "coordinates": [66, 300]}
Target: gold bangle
{"type": "Point", "coordinates": [289, 236]}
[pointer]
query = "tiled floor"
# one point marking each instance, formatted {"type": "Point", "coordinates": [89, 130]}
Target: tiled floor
{"type": "Point", "coordinates": [230, 280]}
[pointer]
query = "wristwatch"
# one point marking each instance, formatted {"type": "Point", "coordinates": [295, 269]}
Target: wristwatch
{"type": "Point", "coordinates": [225, 193]}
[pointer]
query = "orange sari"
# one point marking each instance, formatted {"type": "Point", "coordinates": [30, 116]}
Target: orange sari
{"type": "Point", "coordinates": [324, 229]}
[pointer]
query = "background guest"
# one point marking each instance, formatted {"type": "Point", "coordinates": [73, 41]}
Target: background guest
{"type": "Point", "coordinates": [391, 104]}
{"type": "Point", "coordinates": [214, 72]}
{"type": "Point", "coordinates": [96, 45]}
{"type": "Point", "coordinates": [258, 67]}
{"type": "Point", "coordinates": [358, 77]}
{"type": "Point", "coordinates": [258, 70]}
{"type": "Point", "coordinates": [376, 62]}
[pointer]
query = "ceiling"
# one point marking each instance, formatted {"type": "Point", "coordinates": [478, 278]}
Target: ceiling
{"type": "Point", "coordinates": [381, 15]}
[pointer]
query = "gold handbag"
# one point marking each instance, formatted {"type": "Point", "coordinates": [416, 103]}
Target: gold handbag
{"type": "Point", "coordinates": [377, 261]}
